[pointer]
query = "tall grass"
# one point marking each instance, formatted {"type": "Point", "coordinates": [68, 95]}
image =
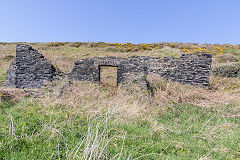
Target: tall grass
{"type": "Point", "coordinates": [78, 120]}
{"type": "Point", "coordinates": [179, 132]}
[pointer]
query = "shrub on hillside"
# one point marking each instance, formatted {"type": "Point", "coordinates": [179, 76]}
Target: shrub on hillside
{"type": "Point", "coordinates": [227, 70]}
{"type": "Point", "coordinates": [113, 49]}
{"type": "Point", "coordinates": [78, 44]}
{"type": "Point", "coordinates": [227, 57]}
{"type": "Point", "coordinates": [56, 44]}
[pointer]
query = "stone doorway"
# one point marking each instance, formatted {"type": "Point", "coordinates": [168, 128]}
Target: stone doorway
{"type": "Point", "coordinates": [108, 76]}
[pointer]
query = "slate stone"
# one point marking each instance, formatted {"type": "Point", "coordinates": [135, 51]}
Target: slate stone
{"type": "Point", "coordinates": [30, 69]}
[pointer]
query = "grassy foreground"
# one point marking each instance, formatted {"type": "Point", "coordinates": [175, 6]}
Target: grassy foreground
{"type": "Point", "coordinates": [182, 132]}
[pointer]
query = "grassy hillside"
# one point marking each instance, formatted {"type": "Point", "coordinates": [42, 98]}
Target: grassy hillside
{"type": "Point", "coordinates": [78, 120]}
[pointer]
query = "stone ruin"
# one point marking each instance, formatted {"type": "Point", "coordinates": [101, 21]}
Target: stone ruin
{"type": "Point", "coordinates": [30, 69]}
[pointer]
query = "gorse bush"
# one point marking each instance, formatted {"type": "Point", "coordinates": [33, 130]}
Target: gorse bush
{"type": "Point", "coordinates": [183, 47]}
{"type": "Point", "coordinates": [227, 70]}
{"type": "Point", "coordinates": [56, 44]}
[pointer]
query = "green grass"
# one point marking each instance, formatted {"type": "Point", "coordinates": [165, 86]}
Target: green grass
{"type": "Point", "coordinates": [231, 50]}
{"type": "Point", "coordinates": [165, 52]}
{"type": "Point", "coordinates": [238, 57]}
{"type": "Point", "coordinates": [32, 131]}
{"type": "Point", "coordinates": [236, 51]}
{"type": "Point", "coordinates": [2, 78]}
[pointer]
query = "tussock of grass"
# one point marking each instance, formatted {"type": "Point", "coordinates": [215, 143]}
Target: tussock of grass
{"type": "Point", "coordinates": [226, 58]}
{"type": "Point", "coordinates": [227, 70]}
{"type": "Point", "coordinates": [222, 91]}
{"type": "Point", "coordinates": [11, 94]}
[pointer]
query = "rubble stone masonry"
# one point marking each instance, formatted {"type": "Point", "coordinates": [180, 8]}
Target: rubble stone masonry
{"type": "Point", "coordinates": [30, 69]}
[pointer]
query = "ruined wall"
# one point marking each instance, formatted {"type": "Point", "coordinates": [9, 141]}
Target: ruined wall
{"type": "Point", "coordinates": [191, 69]}
{"type": "Point", "coordinates": [130, 70]}
{"type": "Point", "coordinates": [30, 69]}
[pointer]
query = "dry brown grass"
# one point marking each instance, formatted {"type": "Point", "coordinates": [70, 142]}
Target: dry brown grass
{"type": "Point", "coordinates": [224, 58]}
{"type": "Point", "coordinates": [7, 52]}
{"type": "Point", "coordinates": [108, 76]}
{"type": "Point", "coordinates": [10, 94]}
{"type": "Point", "coordinates": [131, 102]}
{"type": "Point", "coordinates": [95, 99]}
{"type": "Point", "coordinates": [227, 58]}
{"type": "Point", "coordinates": [224, 91]}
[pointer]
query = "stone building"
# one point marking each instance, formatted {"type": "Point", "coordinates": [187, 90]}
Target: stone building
{"type": "Point", "coordinates": [30, 69]}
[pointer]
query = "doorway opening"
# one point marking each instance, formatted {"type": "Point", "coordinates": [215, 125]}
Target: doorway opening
{"type": "Point", "coordinates": [108, 76]}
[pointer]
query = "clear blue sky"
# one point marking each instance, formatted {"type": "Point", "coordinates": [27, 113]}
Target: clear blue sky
{"type": "Point", "coordinates": [135, 21]}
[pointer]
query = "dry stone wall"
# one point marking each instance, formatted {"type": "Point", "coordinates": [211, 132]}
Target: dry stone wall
{"type": "Point", "coordinates": [190, 68]}
{"type": "Point", "coordinates": [129, 69]}
{"type": "Point", "coordinates": [30, 69]}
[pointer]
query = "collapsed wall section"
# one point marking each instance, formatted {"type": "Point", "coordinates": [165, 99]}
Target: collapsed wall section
{"type": "Point", "coordinates": [29, 69]}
